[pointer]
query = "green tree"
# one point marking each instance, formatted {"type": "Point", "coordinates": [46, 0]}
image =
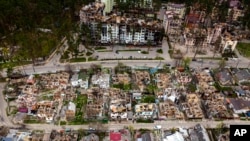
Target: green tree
{"type": "Point", "coordinates": [221, 128]}
{"type": "Point", "coordinates": [148, 99]}
{"type": "Point", "coordinates": [186, 62]}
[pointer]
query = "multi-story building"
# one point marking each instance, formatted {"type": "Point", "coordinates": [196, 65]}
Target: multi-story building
{"type": "Point", "coordinates": [195, 18]}
{"type": "Point", "coordinates": [196, 38]}
{"type": "Point", "coordinates": [120, 29]}
{"type": "Point", "coordinates": [214, 33]}
{"type": "Point", "coordinates": [108, 5]}
{"type": "Point", "coordinates": [235, 10]}
{"type": "Point", "coordinates": [172, 23]}
{"type": "Point", "coordinates": [139, 3]}
{"type": "Point", "coordinates": [89, 12]}
{"type": "Point", "coordinates": [177, 8]}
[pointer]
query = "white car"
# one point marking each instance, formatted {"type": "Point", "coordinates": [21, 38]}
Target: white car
{"type": "Point", "coordinates": [157, 127]}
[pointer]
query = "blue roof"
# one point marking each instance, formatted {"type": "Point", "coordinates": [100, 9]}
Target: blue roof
{"type": "Point", "coordinates": [248, 113]}
{"type": "Point", "coordinates": [153, 70]}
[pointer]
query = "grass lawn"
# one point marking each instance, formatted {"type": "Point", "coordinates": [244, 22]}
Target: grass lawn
{"type": "Point", "coordinates": [78, 60]}
{"type": "Point", "coordinates": [80, 102]}
{"type": "Point", "coordinates": [244, 49]}
{"type": "Point", "coordinates": [91, 59]}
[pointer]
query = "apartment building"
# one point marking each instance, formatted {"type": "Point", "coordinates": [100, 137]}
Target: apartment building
{"type": "Point", "coordinates": [139, 3]}
{"type": "Point", "coordinates": [172, 23]}
{"type": "Point", "coordinates": [235, 10]}
{"type": "Point", "coordinates": [196, 37]}
{"type": "Point", "coordinates": [235, 13]}
{"type": "Point", "coordinates": [88, 12]}
{"type": "Point", "coordinates": [120, 29]}
{"type": "Point", "coordinates": [177, 8]}
{"type": "Point", "coordinates": [193, 19]}
{"type": "Point", "coordinates": [214, 33]}
{"type": "Point", "coordinates": [108, 5]}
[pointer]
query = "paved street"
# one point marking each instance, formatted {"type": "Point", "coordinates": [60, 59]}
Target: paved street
{"type": "Point", "coordinates": [165, 125]}
{"type": "Point", "coordinates": [133, 63]}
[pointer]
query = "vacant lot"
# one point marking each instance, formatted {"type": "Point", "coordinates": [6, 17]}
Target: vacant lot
{"type": "Point", "coordinates": [244, 49]}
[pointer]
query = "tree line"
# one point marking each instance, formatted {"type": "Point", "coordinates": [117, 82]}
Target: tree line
{"type": "Point", "coordinates": [20, 21]}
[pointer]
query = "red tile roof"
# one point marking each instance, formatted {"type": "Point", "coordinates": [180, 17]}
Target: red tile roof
{"type": "Point", "coordinates": [115, 136]}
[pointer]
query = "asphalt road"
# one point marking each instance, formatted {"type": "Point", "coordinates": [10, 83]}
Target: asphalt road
{"type": "Point", "coordinates": [28, 69]}
{"type": "Point", "coordinates": [164, 124]}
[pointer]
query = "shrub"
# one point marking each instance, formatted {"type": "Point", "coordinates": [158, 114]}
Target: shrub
{"type": "Point", "coordinates": [78, 60]}
{"type": "Point", "coordinates": [89, 53]}
{"type": "Point", "coordinates": [63, 122]}
{"type": "Point", "coordinates": [140, 120]}
{"type": "Point", "coordinates": [144, 52]}
{"type": "Point", "coordinates": [159, 51]}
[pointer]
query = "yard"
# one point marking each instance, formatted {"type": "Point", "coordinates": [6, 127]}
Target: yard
{"type": "Point", "coordinates": [80, 102]}
{"type": "Point", "coordinates": [244, 49]}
